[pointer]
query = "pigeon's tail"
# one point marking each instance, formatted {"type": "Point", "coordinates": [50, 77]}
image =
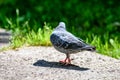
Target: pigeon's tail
{"type": "Point", "coordinates": [89, 48]}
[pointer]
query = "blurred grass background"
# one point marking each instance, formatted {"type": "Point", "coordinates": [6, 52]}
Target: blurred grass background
{"type": "Point", "coordinates": [32, 21]}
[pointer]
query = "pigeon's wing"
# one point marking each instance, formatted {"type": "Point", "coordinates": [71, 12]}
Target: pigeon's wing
{"type": "Point", "coordinates": [73, 42]}
{"type": "Point", "coordinates": [87, 46]}
{"type": "Point", "coordinates": [80, 39]}
{"type": "Point", "coordinates": [66, 40]}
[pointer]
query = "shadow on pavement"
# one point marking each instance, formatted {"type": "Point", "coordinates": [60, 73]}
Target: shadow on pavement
{"type": "Point", "coordinates": [44, 63]}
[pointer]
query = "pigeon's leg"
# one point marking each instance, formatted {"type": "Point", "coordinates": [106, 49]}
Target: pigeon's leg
{"type": "Point", "coordinates": [67, 60]}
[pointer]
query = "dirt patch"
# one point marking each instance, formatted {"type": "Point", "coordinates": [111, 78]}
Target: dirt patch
{"type": "Point", "coordinates": [41, 63]}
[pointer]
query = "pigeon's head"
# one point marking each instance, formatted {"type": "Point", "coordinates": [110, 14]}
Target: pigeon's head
{"type": "Point", "coordinates": [61, 26]}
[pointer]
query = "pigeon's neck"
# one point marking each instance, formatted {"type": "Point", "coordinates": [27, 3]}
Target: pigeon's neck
{"type": "Point", "coordinates": [60, 28]}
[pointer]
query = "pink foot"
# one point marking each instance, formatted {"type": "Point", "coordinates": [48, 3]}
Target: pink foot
{"type": "Point", "coordinates": [67, 61]}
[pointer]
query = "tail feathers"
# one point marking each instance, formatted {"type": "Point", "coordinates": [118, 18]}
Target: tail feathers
{"type": "Point", "coordinates": [89, 48]}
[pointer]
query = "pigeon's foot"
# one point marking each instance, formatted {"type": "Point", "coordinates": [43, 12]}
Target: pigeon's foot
{"type": "Point", "coordinates": [67, 61]}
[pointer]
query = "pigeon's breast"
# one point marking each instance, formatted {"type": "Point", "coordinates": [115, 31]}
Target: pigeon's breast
{"type": "Point", "coordinates": [55, 40]}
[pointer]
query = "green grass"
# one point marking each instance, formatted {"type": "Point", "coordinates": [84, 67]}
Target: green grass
{"type": "Point", "coordinates": [104, 44]}
{"type": "Point", "coordinates": [24, 36]}
{"type": "Point", "coordinates": [110, 46]}
{"type": "Point", "coordinates": [32, 38]}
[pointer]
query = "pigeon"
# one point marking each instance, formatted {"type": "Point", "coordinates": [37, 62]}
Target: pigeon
{"type": "Point", "coordinates": [67, 43]}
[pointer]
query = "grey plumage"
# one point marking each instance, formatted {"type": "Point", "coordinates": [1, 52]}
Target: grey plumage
{"type": "Point", "coordinates": [66, 42]}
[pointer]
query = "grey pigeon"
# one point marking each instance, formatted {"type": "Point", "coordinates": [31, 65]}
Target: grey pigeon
{"type": "Point", "coordinates": [67, 43]}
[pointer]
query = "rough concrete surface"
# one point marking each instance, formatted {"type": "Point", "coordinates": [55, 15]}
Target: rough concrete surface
{"type": "Point", "coordinates": [41, 63]}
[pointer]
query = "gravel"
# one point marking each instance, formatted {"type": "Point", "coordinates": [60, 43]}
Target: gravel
{"type": "Point", "coordinates": [41, 63]}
